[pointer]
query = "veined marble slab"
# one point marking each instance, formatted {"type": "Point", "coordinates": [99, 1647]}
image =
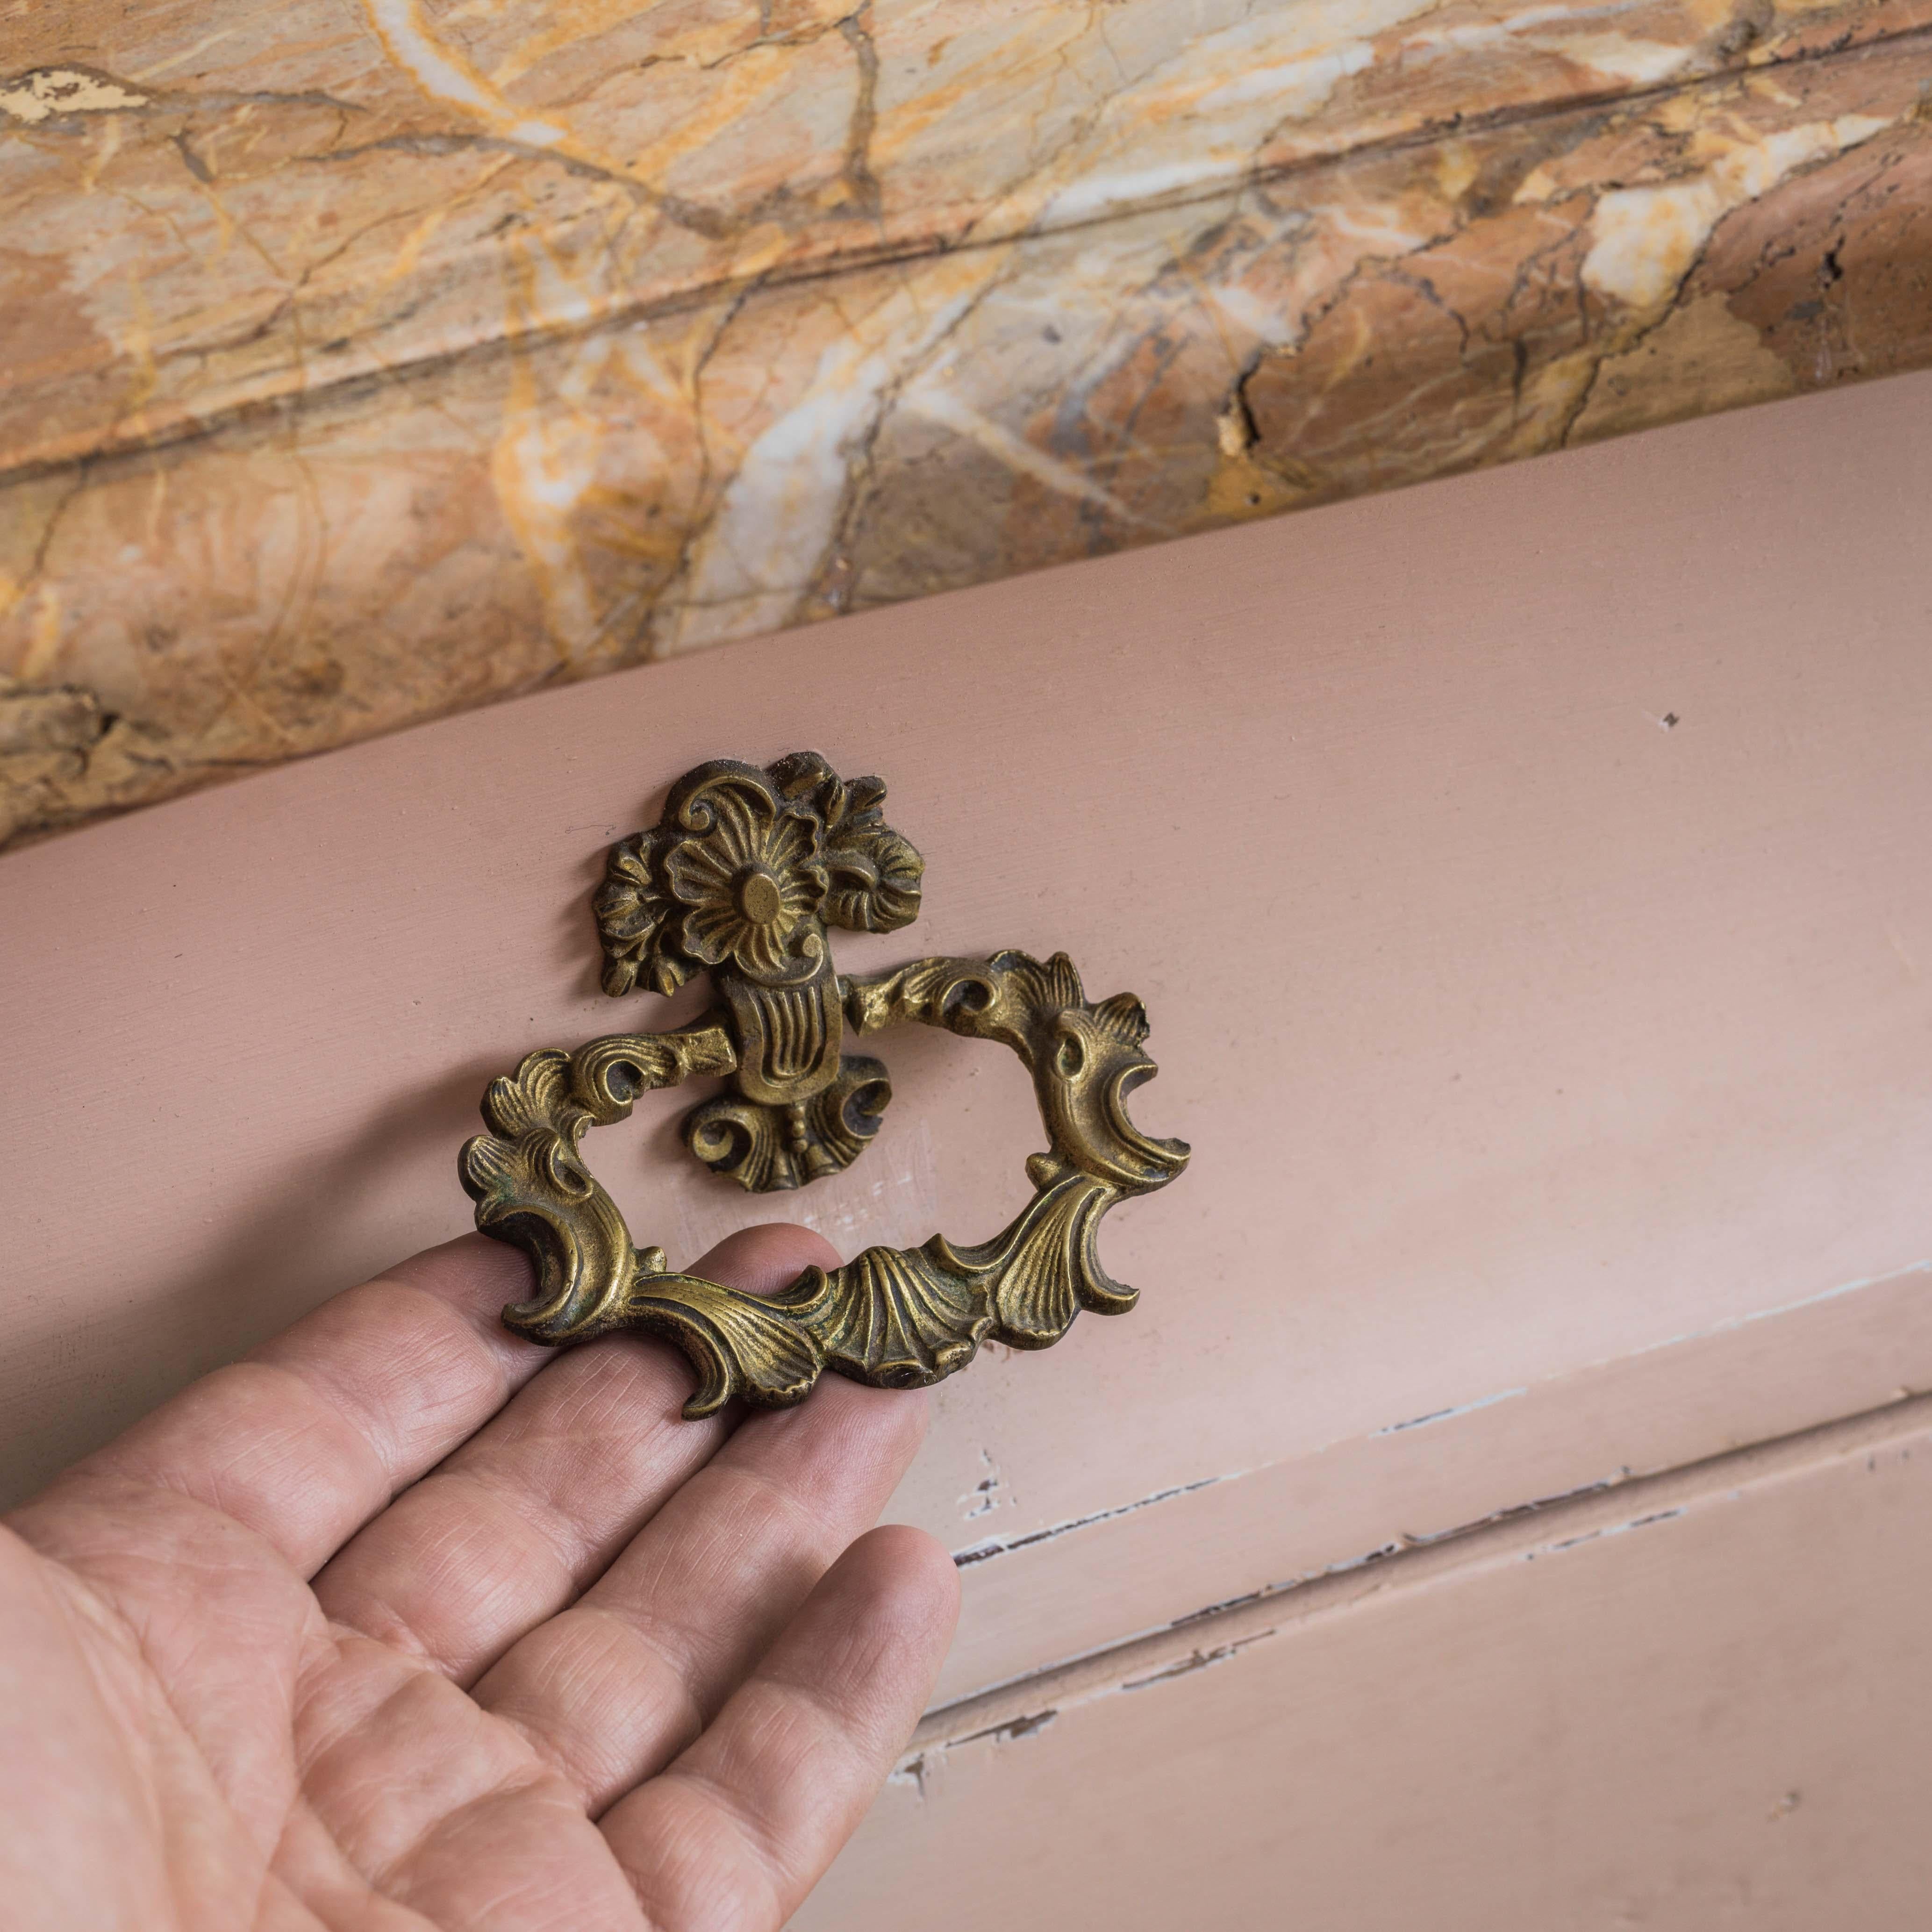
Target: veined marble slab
{"type": "Point", "coordinates": [362, 360]}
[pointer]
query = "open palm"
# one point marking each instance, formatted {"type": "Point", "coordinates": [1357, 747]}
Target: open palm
{"type": "Point", "coordinates": [382, 1628]}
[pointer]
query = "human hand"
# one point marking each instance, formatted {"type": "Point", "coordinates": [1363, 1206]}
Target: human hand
{"type": "Point", "coordinates": [383, 1630]}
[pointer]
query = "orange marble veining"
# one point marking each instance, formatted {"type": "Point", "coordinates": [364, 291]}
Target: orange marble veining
{"type": "Point", "coordinates": [373, 359]}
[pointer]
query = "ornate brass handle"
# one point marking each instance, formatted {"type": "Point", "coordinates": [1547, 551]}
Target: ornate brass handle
{"type": "Point", "coordinates": [740, 877]}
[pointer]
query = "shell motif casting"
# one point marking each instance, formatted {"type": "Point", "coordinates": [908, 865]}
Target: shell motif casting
{"type": "Point", "coordinates": [740, 879]}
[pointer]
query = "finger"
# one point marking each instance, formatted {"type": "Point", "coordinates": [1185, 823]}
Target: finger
{"type": "Point", "coordinates": [759, 1806]}
{"type": "Point", "coordinates": [519, 1518]}
{"type": "Point", "coordinates": [312, 1433]}
{"type": "Point", "coordinates": [611, 1690]}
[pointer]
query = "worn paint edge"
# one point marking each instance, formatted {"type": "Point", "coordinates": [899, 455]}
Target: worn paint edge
{"type": "Point", "coordinates": [1531, 1531]}
{"type": "Point", "coordinates": [990, 1546]}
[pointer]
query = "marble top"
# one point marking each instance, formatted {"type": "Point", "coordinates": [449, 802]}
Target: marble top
{"type": "Point", "coordinates": [368, 359]}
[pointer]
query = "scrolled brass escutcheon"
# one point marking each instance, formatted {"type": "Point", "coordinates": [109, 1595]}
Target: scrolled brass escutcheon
{"type": "Point", "coordinates": [740, 878]}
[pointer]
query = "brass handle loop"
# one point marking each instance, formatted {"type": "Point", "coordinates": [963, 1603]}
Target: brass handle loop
{"type": "Point", "coordinates": [893, 1317]}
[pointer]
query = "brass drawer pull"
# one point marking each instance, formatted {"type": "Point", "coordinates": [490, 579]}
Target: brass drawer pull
{"type": "Point", "coordinates": [740, 878]}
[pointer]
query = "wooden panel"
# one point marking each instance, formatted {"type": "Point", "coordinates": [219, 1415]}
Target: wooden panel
{"type": "Point", "coordinates": [1147, 1565]}
{"type": "Point", "coordinates": [1698, 1703]}
{"type": "Point", "coordinates": [1525, 877]}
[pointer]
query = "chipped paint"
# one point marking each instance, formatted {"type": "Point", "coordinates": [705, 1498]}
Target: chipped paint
{"type": "Point", "coordinates": [1596, 1535]}
{"type": "Point", "coordinates": [1195, 1660]}
{"type": "Point", "coordinates": [1450, 1415]}
{"type": "Point", "coordinates": [1150, 1660]}
{"type": "Point", "coordinates": [1743, 1320]}
{"type": "Point", "coordinates": [989, 1493]}
{"type": "Point", "coordinates": [991, 1547]}
{"type": "Point", "coordinates": [988, 1547]}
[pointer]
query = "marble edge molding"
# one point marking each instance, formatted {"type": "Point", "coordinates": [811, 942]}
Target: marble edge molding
{"type": "Point", "coordinates": [1248, 101]}
{"type": "Point", "coordinates": [394, 549]}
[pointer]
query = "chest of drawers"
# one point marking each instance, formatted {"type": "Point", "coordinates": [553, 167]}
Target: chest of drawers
{"type": "Point", "coordinates": [1505, 1508]}
{"type": "Point", "coordinates": [1500, 1502]}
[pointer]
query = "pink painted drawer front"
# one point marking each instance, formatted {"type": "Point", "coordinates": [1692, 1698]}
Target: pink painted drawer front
{"type": "Point", "coordinates": [1691, 1704]}
{"type": "Point", "coordinates": [1525, 875]}
{"type": "Point", "coordinates": [1696, 1702]}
